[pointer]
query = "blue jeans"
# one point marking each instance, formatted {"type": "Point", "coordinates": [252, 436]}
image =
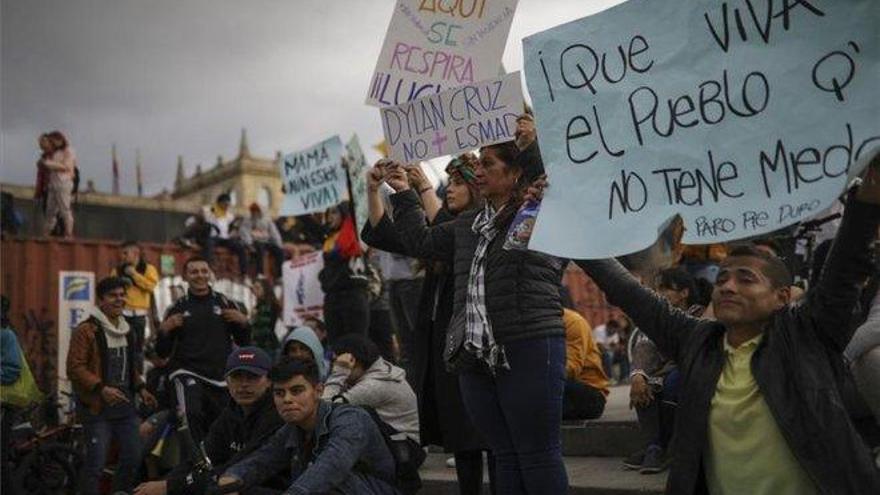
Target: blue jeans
{"type": "Point", "coordinates": [100, 430]}
{"type": "Point", "coordinates": [520, 411]}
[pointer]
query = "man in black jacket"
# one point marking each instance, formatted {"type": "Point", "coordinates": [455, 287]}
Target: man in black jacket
{"type": "Point", "coordinates": [760, 410]}
{"type": "Point", "coordinates": [197, 335]}
{"type": "Point", "coordinates": [241, 428]}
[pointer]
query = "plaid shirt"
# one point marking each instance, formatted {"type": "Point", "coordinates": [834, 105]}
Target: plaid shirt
{"type": "Point", "coordinates": [479, 339]}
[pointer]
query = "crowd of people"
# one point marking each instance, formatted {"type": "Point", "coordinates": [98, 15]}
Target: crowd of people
{"type": "Point", "coordinates": [438, 330]}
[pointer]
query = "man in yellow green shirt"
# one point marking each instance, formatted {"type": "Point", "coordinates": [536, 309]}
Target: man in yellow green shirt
{"type": "Point", "coordinates": [760, 411]}
{"type": "Point", "coordinates": [142, 278]}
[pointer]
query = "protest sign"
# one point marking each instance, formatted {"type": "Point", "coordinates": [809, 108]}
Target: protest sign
{"type": "Point", "coordinates": [303, 297]}
{"type": "Point", "coordinates": [313, 179]}
{"type": "Point", "coordinates": [434, 45]}
{"type": "Point", "coordinates": [357, 173]}
{"type": "Point", "coordinates": [454, 121]}
{"type": "Point", "coordinates": [741, 116]}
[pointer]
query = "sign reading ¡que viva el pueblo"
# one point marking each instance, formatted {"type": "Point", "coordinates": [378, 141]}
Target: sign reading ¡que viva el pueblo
{"type": "Point", "coordinates": [434, 45]}
{"type": "Point", "coordinates": [313, 179]}
{"type": "Point", "coordinates": [743, 116]}
{"type": "Point", "coordinates": [455, 120]}
{"type": "Point", "coordinates": [357, 174]}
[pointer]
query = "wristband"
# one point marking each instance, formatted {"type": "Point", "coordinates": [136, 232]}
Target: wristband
{"type": "Point", "coordinates": [423, 191]}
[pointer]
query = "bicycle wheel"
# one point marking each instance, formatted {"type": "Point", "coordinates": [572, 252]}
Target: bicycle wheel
{"type": "Point", "coordinates": [51, 469]}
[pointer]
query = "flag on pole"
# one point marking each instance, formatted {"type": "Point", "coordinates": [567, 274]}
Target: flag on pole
{"type": "Point", "coordinates": [115, 171]}
{"type": "Point", "coordinates": [383, 148]}
{"type": "Point", "coordinates": [137, 170]}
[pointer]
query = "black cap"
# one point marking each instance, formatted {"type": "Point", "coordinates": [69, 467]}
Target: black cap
{"type": "Point", "coordinates": [251, 359]}
{"type": "Point", "coordinates": [224, 198]}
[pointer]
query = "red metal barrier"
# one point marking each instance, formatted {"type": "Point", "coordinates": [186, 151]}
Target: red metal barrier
{"type": "Point", "coordinates": [29, 277]}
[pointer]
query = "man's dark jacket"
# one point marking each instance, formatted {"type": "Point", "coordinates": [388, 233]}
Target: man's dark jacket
{"type": "Point", "coordinates": [205, 339]}
{"type": "Point", "coordinates": [797, 365]}
{"type": "Point", "coordinates": [522, 287]}
{"type": "Point", "coordinates": [232, 437]}
{"type": "Point", "coordinates": [443, 419]}
{"type": "Point", "coordinates": [348, 456]}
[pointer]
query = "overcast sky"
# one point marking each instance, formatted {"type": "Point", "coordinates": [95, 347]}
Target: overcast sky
{"type": "Point", "coordinates": [182, 77]}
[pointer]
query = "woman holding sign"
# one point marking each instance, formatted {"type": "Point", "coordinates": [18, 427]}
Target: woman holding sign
{"type": "Point", "coordinates": [442, 416]}
{"type": "Point", "coordinates": [506, 339]}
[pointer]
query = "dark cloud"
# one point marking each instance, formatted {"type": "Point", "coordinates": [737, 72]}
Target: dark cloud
{"type": "Point", "coordinates": [181, 77]}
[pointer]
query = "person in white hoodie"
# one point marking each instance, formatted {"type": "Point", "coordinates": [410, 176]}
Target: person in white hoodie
{"type": "Point", "coordinates": [361, 377]}
{"type": "Point", "coordinates": [100, 365]}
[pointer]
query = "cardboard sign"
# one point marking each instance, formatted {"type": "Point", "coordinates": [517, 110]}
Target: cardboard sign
{"type": "Point", "coordinates": [357, 168]}
{"type": "Point", "coordinates": [454, 121]}
{"type": "Point", "coordinates": [303, 296]}
{"type": "Point", "coordinates": [434, 45]}
{"type": "Point", "coordinates": [313, 179]}
{"type": "Point", "coordinates": [742, 116]}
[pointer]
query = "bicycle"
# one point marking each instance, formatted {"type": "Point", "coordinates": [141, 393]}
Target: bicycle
{"type": "Point", "coordinates": [45, 460]}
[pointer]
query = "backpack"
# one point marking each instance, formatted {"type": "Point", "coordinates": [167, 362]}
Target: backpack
{"type": "Point", "coordinates": [408, 455]}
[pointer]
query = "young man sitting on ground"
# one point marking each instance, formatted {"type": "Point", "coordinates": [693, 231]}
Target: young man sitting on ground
{"type": "Point", "coordinates": [361, 377]}
{"type": "Point", "coordinates": [246, 423]}
{"type": "Point", "coordinates": [329, 448]}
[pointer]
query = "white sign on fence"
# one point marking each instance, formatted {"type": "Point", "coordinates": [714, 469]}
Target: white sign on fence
{"type": "Point", "coordinates": [303, 296]}
{"type": "Point", "coordinates": [76, 297]}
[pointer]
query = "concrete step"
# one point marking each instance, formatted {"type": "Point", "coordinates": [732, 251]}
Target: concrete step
{"type": "Point", "coordinates": [615, 434]}
{"type": "Point", "coordinates": [586, 476]}
{"type": "Point", "coordinates": [601, 439]}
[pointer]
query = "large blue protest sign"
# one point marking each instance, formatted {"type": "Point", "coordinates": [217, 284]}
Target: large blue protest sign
{"type": "Point", "coordinates": [742, 116]}
{"type": "Point", "coordinates": [454, 121]}
{"type": "Point", "coordinates": [313, 179]}
{"type": "Point", "coordinates": [434, 45]}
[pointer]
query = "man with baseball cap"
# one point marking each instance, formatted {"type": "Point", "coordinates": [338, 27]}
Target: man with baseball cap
{"type": "Point", "coordinates": [246, 423]}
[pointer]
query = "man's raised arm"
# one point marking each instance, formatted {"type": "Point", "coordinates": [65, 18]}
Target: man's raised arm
{"type": "Point", "coordinates": [669, 327]}
{"type": "Point", "coordinates": [830, 304]}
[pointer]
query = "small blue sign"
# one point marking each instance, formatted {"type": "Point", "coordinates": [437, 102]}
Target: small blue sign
{"type": "Point", "coordinates": [76, 288]}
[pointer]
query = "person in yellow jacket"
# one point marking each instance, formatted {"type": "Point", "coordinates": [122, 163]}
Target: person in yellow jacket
{"type": "Point", "coordinates": [142, 278]}
{"type": "Point", "coordinates": [586, 384]}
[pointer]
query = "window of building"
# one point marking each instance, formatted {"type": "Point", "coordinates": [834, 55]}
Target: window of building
{"type": "Point", "coordinates": [264, 197]}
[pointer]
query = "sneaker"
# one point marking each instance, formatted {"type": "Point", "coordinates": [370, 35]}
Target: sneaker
{"type": "Point", "coordinates": [450, 463]}
{"type": "Point", "coordinates": [656, 461]}
{"type": "Point", "coordinates": [634, 462]}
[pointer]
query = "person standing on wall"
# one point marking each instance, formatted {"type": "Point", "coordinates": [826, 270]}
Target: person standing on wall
{"type": "Point", "coordinates": [60, 162]}
{"type": "Point", "coordinates": [142, 278]}
{"type": "Point", "coordinates": [220, 218]}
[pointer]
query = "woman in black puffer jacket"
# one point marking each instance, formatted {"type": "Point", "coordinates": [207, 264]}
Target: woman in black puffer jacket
{"type": "Point", "coordinates": [442, 416]}
{"type": "Point", "coordinates": [509, 302]}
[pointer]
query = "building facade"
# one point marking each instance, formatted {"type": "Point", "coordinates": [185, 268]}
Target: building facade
{"type": "Point", "coordinates": [246, 178]}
